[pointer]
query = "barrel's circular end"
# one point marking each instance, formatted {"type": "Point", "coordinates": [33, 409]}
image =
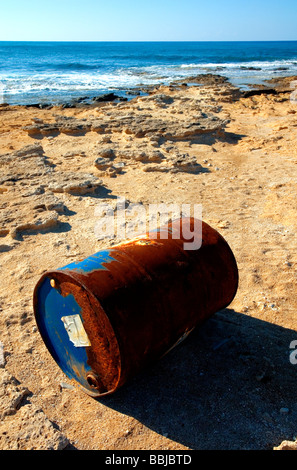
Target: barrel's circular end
{"type": "Point", "coordinates": [77, 333]}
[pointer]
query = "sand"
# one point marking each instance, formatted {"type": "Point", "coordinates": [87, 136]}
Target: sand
{"type": "Point", "coordinates": [231, 384]}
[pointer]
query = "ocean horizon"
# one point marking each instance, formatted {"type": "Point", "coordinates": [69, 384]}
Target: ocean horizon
{"type": "Point", "coordinates": [56, 72]}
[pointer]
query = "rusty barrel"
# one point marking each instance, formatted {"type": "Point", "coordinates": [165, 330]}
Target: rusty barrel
{"type": "Point", "coordinates": [106, 317]}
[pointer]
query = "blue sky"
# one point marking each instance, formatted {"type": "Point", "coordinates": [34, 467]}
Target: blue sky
{"type": "Point", "coordinates": [149, 20]}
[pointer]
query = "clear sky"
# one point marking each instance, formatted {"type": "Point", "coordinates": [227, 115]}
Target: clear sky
{"type": "Point", "coordinates": [149, 20]}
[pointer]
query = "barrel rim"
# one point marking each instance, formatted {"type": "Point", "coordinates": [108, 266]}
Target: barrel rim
{"type": "Point", "coordinates": [70, 275]}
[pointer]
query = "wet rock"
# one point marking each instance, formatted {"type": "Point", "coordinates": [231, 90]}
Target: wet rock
{"type": "Point", "coordinates": [33, 105]}
{"type": "Point", "coordinates": [106, 97]}
{"type": "Point", "coordinates": [82, 98]}
{"type": "Point", "coordinates": [133, 92]}
{"type": "Point", "coordinates": [243, 67]}
{"type": "Point", "coordinates": [262, 91]}
{"type": "Point", "coordinates": [206, 79]}
{"type": "Point", "coordinates": [68, 105]}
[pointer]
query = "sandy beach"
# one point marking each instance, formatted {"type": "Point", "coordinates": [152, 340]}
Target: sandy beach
{"type": "Point", "coordinates": [231, 384]}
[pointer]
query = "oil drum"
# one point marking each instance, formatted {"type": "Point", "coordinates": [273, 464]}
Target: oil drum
{"type": "Point", "coordinates": [106, 317]}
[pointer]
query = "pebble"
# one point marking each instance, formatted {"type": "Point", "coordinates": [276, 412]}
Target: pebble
{"type": "Point", "coordinates": [65, 385]}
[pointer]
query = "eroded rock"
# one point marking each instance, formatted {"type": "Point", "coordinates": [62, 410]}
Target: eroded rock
{"type": "Point", "coordinates": [23, 426]}
{"type": "Point", "coordinates": [29, 179]}
{"type": "Point", "coordinates": [74, 183]}
{"type": "Point", "coordinates": [12, 393]}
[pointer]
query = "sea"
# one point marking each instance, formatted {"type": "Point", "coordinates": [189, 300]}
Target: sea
{"type": "Point", "coordinates": [58, 72]}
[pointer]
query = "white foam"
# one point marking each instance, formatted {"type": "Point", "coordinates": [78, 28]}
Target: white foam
{"type": "Point", "coordinates": [51, 84]}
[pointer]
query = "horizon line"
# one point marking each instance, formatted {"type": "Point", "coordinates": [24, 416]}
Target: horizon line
{"type": "Point", "coordinates": [148, 40]}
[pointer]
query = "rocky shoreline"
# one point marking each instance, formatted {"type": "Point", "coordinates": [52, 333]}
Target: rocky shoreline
{"type": "Point", "coordinates": [123, 95]}
{"type": "Point", "coordinates": [202, 141]}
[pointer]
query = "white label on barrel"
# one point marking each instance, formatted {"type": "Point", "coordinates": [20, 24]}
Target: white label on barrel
{"type": "Point", "coordinates": [76, 332]}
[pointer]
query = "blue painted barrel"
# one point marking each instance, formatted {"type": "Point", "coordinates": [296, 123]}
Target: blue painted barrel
{"type": "Point", "coordinates": [106, 317]}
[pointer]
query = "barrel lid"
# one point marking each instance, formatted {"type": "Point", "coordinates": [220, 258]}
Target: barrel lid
{"type": "Point", "coordinates": [77, 332]}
